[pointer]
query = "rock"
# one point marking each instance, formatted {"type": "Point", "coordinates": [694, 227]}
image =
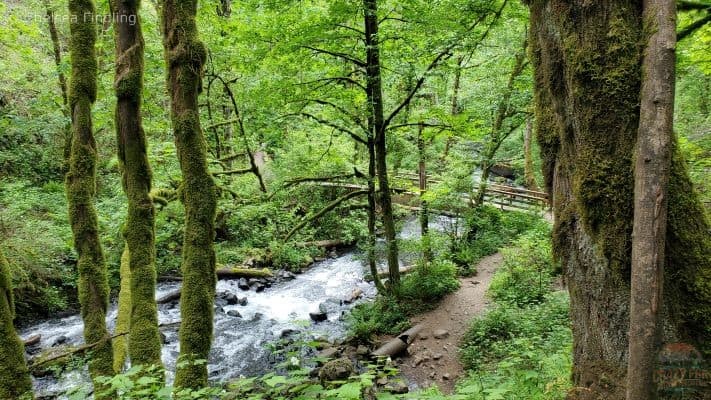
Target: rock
{"type": "Point", "coordinates": [424, 337]}
{"type": "Point", "coordinates": [318, 316]}
{"type": "Point", "coordinates": [398, 387]}
{"type": "Point", "coordinates": [421, 359]}
{"type": "Point", "coordinates": [286, 275]}
{"type": "Point", "coordinates": [335, 370]}
{"type": "Point", "coordinates": [32, 340]}
{"type": "Point", "coordinates": [231, 299]}
{"type": "Point", "coordinates": [440, 334]}
{"type": "Point", "coordinates": [257, 316]}
{"type": "Point", "coordinates": [446, 377]}
{"type": "Point", "coordinates": [242, 301]}
{"type": "Point", "coordinates": [362, 350]}
{"type": "Point", "coordinates": [219, 309]}
{"type": "Point", "coordinates": [333, 254]}
{"type": "Point", "coordinates": [437, 356]}
{"type": "Point", "coordinates": [328, 352]}
{"type": "Point", "coordinates": [220, 302]}
{"type": "Point", "coordinates": [234, 313]}
{"type": "Point", "coordinates": [382, 381]}
{"type": "Point", "coordinates": [60, 341]}
{"type": "Point", "coordinates": [243, 284]}
{"type": "Point", "coordinates": [164, 338]}
{"type": "Point", "coordinates": [432, 375]}
{"type": "Point", "coordinates": [287, 332]}
{"type": "Point", "coordinates": [314, 372]}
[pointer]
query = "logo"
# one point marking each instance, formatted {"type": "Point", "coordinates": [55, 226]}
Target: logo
{"type": "Point", "coordinates": [682, 372]}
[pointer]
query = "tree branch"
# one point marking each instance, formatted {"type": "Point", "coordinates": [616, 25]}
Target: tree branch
{"type": "Point", "coordinates": [682, 34]}
{"type": "Point", "coordinates": [323, 211]}
{"type": "Point", "coordinates": [347, 131]}
{"type": "Point", "coordinates": [336, 54]}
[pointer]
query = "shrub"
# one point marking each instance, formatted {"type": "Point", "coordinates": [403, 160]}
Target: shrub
{"type": "Point", "coordinates": [526, 274]}
{"type": "Point", "coordinates": [383, 316]}
{"type": "Point", "coordinates": [430, 282]}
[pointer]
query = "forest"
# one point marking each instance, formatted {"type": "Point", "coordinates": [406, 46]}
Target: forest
{"type": "Point", "coordinates": [355, 199]}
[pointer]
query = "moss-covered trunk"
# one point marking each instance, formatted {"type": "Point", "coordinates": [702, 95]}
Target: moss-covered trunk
{"type": "Point", "coordinates": [15, 380]}
{"type": "Point", "coordinates": [81, 190]}
{"type": "Point", "coordinates": [144, 345]}
{"type": "Point", "coordinates": [123, 314]}
{"type": "Point", "coordinates": [185, 57]}
{"type": "Point", "coordinates": [375, 108]}
{"type": "Point", "coordinates": [586, 57]}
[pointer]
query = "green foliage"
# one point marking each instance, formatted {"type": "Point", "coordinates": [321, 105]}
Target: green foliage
{"type": "Point", "coordinates": [485, 230]}
{"type": "Point", "coordinates": [526, 274]}
{"type": "Point", "coordinates": [429, 282]}
{"type": "Point", "coordinates": [385, 315]}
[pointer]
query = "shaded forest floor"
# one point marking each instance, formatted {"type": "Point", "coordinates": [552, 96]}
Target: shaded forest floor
{"type": "Point", "coordinates": [434, 359]}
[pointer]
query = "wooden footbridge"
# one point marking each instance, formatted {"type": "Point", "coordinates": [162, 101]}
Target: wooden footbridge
{"type": "Point", "coordinates": [504, 196]}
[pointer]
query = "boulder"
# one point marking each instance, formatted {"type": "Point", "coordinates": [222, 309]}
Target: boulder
{"type": "Point", "coordinates": [234, 313]}
{"type": "Point", "coordinates": [336, 370]}
{"type": "Point", "coordinates": [231, 299]}
{"type": "Point", "coordinates": [243, 284]}
{"type": "Point", "coordinates": [318, 316]}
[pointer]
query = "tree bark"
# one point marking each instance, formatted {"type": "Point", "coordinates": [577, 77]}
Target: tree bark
{"type": "Point", "coordinates": [123, 314]}
{"type": "Point", "coordinates": [15, 382]}
{"type": "Point", "coordinates": [375, 104]}
{"type": "Point", "coordinates": [144, 342]}
{"type": "Point", "coordinates": [185, 57]}
{"type": "Point", "coordinates": [424, 210]}
{"type": "Point", "coordinates": [653, 161]}
{"type": "Point", "coordinates": [455, 102]}
{"type": "Point", "coordinates": [81, 191]}
{"type": "Point", "coordinates": [587, 59]}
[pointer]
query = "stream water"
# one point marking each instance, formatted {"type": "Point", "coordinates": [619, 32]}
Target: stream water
{"type": "Point", "coordinates": [240, 343]}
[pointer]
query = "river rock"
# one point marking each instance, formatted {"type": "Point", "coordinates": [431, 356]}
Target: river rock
{"type": "Point", "coordinates": [318, 316]}
{"type": "Point", "coordinates": [242, 301]}
{"type": "Point", "coordinates": [440, 334]}
{"type": "Point", "coordinates": [328, 352]}
{"type": "Point", "coordinates": [243, 284]}
{"type": "Point", "coordinates": [231, 299]}
{"type": "Point", "coordinates": [335, 370]}
{"type": "Point", "coordinates": [60, 341]}
{"type": "Point", "coordinates": [259, 287]}
{"type": "Point", "coordinates": [234, 313]}
{"type": "Point", "coordinates": [164, 338]}
{"type": "Point", "coordinates": [219, 309]}
{"type": "Point", "coordinates": [287, 332]}
{"type": "Point", "coordinates": [362, 350]}
{"type": "Point", "coordinates": [398, 387]}
{"type": "Point", "coordinates": [257, 316]}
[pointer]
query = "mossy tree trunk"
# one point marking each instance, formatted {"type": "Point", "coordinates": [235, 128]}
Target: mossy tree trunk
{"type": "Point", "coordinates": [375, 108]}
{"type": "Point", "coordinates": [144, 344]}
{"type": "Point", "coordinates": [185, 57]}
{"type": "Point", "coordinates": [587, 58]}
{"type": "Point", "coordinates": [529, 175]}
{"type": "Point", "coordinates": [81, 191]}
{"type": "Point", "coordinates": [15, 382]}
{"type": "Point", "coordinates": [123, 315]}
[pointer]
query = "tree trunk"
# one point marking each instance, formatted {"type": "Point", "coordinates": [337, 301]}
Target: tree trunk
{"type": "Point", "coordinates": [15, 382]}
{"type": "Point", "coordinates": [144, 343]}
{"type": "Point", "coordinates": [424, 212]}
{"type": "Point", "coordinates": [455, 102]}
{"type": "Point", "coordinates": [498, 133]}
{"type": "Point", "coordinates": [185, 57]}
{"type": "Point", "coordinates": [123, 314]}
{"type": "Point", "coordinates": [375, 103]}
{"type": "Point", "coordinates": [528, 173]}
{"type": "Point", "coordinates": [81, 191]}
{"type": "Point", "coordinates": [653, 159]}
{"type": "Point", "coordinates": [586, 60]}
{"type": "Point", "coordinates": [372, 240]}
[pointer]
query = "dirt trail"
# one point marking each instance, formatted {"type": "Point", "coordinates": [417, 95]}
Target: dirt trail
{"type": "Point", "coordinates": [436, 361]}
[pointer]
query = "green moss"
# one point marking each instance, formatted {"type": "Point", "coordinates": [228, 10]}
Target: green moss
{"type": "Point", "coordinates": [81, 186]}
{"type": "Point", "coordinates": [123, 318]}
{"type": "Point", "coordinates": [144, 344]}
{"type": "Point", "coordinates": [15, 380]}
{"type": "Point", "coordinates": [688, 257]}
{"type": "Point", "coordinates": [185, 56]}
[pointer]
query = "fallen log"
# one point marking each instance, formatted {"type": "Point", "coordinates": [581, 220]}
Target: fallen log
{"type": "Point", "coordinates": [230, 273]}
{"type": "Point", "coordinates": [32, 340]}
{"type": "Point", "coordinates": [168, 297]}
{"type": "Point", "coordinates": [327, 244]}
{"type": "Point", "coordinates": [386, 274]}
{"type": "Point", "coordinates": [399, 344]}
{"type": "Point", "coordinates": [77, 350]}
